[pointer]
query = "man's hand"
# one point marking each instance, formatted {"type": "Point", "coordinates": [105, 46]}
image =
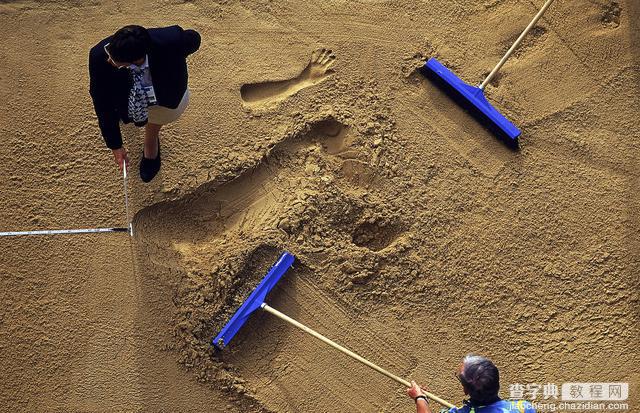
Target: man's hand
{"type": "Point", "coordinates": [120, 156]}
{"type": "Point", "coordinates": [415, 391]}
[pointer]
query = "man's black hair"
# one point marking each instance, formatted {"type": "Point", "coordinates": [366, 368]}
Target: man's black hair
{"type": "Point", "coordinates": [129, 44]}
{"type": "Point", "coordinates": [481, 379]}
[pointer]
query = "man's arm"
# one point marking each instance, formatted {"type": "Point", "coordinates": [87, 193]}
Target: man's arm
{"type": "Point", "coordinates": [108, 119]}
{"type": "Point", "coordinates": [176, 40]}
{"type": "Point", "coordinates": [190, 41]}
{"type": "Point", "coordinates": [99, 90]}
{"type": "Point", "coordinates": [416, 393]}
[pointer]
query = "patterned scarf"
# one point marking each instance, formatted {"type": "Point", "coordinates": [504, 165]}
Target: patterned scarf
{"type": "Point", "coordinates": [138, 100]}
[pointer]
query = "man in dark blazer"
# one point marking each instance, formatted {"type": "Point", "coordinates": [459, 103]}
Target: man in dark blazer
{"type": "Point", "coordinates": [140, 75]}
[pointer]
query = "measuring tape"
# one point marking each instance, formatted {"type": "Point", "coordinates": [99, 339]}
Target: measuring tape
{"type": "Point", "coordinates": [126, 195]}
{"type": "Point", "coordinates": [86, 230]}
{"type": "Point", "coordinates": [62, 231]}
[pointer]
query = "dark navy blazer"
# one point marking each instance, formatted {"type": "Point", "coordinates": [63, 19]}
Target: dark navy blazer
{"type": "Point", "coordinates": [109, 87]}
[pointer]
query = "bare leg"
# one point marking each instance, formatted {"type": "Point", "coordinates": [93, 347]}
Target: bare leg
{"type": "Point", "coordinates": [151, 136]}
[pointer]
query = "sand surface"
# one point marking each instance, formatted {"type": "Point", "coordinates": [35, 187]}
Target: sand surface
{"type": "Point", "coordinates": [420, 237]}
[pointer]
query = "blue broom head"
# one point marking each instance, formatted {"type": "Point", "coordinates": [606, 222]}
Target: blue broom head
{"type": "Point", "coordinates": [254, 301]}
{"type": "Point", "coordinates": [471, 98]}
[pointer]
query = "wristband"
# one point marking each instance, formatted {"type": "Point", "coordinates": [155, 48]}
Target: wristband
{"type": "Point", "coordinates": [423, 398]}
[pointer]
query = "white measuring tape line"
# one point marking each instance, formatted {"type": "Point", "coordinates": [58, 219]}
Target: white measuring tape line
{"type": "Point", "coordinates": [86, 230]}
{"type": "Point", "coordinates": [126, 196]}
{"type": "Point", "coordinates": [62, 231]}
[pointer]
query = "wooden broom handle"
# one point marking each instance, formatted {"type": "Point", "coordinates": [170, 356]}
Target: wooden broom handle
{"type": "Point", "coordinates": [348, 352]}
{"type": "Point", "coordinates": [515, 44]}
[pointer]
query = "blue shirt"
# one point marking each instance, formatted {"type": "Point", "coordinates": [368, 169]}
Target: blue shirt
{"type": "Point", "coordinates": [501, 406]}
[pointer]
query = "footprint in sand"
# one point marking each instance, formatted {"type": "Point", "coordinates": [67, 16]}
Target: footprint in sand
{"type": "Point", "coordinates": [253, 199]}
{"type": "Point", "coordinates": [266, 93]}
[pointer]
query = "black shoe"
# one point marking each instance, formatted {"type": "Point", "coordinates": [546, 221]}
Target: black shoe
{"type": "Point", "coordinates": [149, 167]}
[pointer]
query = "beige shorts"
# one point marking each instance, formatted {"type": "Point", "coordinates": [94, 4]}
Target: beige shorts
{"type": "Point", "coordinates": [161, 115]}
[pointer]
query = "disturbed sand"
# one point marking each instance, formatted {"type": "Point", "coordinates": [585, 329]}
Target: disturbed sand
{"type": "Point", "coordinates": [420, 237]}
